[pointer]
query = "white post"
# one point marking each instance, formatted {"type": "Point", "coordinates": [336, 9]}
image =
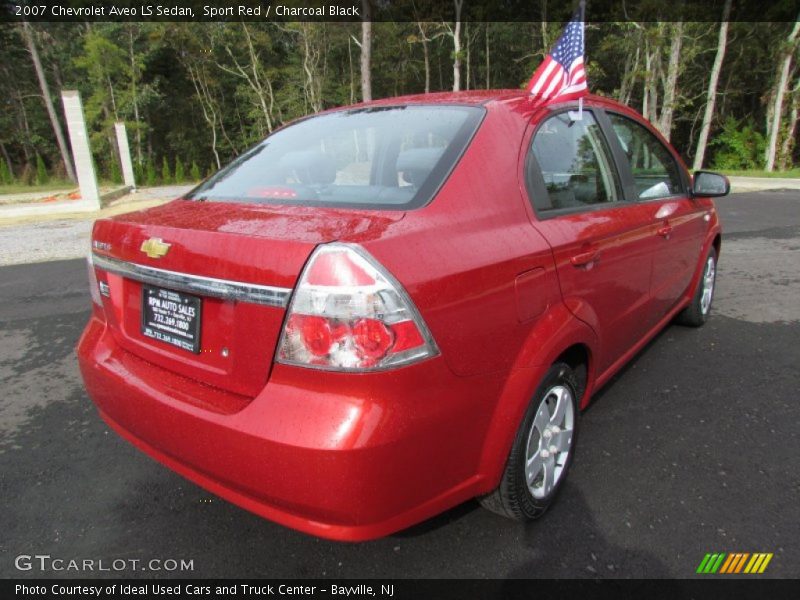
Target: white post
{"type": "Point", "coordinates": [125, 155]}
{"type": "Point", "coordinates": [81, 153]}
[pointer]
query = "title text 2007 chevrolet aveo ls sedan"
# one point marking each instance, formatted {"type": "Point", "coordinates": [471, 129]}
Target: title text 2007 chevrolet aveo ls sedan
{"type": "Point", "coordinates": [384, 310]}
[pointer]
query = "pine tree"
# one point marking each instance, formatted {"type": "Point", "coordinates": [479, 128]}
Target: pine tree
{"type": "Point", "coordinates": [166, 176]}
{"type": "Point", "coordinates": [150, 173]}
{"type": "Point", "coordinates": [115, 172]}
{"type": "Point", "coordinates": [41, 171]}
{"type": "Point", "coordinates": [180, 176]}
{"type": "Point", "coordinates": [138, 173]}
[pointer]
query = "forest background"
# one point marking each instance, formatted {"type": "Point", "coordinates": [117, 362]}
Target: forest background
{"type": "Point", "coordinates": [194, 95]}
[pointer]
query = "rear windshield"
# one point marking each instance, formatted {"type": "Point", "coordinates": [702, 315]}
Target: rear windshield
{"type": "Point", "coordinates": [381, 157]}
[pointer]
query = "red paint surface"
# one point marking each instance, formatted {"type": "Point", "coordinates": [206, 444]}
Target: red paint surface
{"type": "Point", "coordinates": [356, 456]}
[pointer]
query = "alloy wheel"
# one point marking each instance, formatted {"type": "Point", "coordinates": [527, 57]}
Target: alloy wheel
{"type": "Point", "coordinates": [549, 441]}
{"type": "Point", "coordinates": [709, 275]}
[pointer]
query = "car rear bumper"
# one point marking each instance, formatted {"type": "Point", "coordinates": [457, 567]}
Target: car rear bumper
{"type": "Point", "coordinates": [341, 456]}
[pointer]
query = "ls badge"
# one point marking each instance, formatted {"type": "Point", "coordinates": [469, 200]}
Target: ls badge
{"type": "Point", "coordinates": [155, 247]}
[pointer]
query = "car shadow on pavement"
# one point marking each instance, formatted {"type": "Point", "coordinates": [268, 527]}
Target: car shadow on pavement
{"type": "Point", "coordinates": [608, 387]}
{"type": "Point", "coordinates": [444, 519]}
{"type": "Point", "coordinates": [591, 554]}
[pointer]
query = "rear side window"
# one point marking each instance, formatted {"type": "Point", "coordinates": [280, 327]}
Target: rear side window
{"type": "Point", "coordinates": [575, 163]}
{"type": "Point", "coordinates": [379, 157]}
{"type": "Point", "coordinates": [655, 171]}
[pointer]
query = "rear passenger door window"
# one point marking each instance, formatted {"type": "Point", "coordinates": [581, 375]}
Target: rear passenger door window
{"type": "Point", "coordinates": [575, 164]}
{"type": "Point", "coordinates": [653, 167]}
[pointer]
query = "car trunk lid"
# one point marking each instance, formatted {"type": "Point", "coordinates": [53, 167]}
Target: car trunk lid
{"type": "Point", "coordinates": [225, 269]}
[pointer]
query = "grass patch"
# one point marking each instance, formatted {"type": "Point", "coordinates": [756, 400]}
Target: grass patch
{"type": "Point", "coordinates": [790, 174]}
{"type": "Point", "coordinates": [53, 186]}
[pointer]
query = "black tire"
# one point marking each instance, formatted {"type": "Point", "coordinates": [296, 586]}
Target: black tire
{"type": "Point", "coordinates": [694, 315]}
{"type": "Point", "coordinates": [513, 498]}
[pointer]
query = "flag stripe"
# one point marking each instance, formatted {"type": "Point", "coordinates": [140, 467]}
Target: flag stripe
{"type": "Point", "coordinates": [548, 65]}
{"type": "Point", "coordinates": [557, 78]}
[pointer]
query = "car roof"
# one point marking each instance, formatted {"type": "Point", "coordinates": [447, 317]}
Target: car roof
{"type": "Point", "coordinates": [511, 98]}
{"type": "Point", "coordinates": [468, 97]}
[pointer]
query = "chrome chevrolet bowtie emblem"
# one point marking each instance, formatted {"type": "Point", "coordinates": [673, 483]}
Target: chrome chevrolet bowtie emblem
{"type": "Point", "coordinates": [155, 247]}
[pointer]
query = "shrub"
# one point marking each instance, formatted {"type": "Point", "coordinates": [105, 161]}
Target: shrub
{"type": "Point", "coordinates": [738, 146]}
{"type": "Point", "coordinates": [195, 172]}
{"type": "Point", "coordinates": [41, 171]}
{"type": "Point", "coordinates": [5, 173]}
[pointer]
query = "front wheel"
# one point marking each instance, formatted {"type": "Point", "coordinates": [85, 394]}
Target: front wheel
{"type": "Point", "coordinates": [542, 452]}
{"type": "Point", "coordinates": [696, 314]}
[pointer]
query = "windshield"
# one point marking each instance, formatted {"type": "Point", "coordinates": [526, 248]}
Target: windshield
{"type": "Point", "coordinates": [380, 157]}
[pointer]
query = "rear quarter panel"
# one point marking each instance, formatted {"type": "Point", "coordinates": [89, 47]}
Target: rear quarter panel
{"type": "Point", "coordinates": [484, 280]}
{"type": "Point", "coordinates": [460, 257]}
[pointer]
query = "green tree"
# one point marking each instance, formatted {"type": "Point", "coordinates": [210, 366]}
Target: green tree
{"type": "Point", "coordinates": [166, 176]}
{"type": "Point", "coordinates": [180, 176]}
{"type": "Point", "coordinates": [107, 71]}
{"type": "Point", "coordinates": [114, 171]}
{"type": "Point", "coordinates": [138, 173]}
{"type": "Point", "coordinates": [195, 172]}
{"type": "Point", "coordinates": [150, 173]}
{"type": "Point", "coordinates": [41, 171]}
{"type": "Point", "coordinates": [738, 146]}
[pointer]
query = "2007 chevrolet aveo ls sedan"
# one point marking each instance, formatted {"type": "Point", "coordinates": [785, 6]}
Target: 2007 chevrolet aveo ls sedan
{"type": "Point", "coordinates": [385, 310]}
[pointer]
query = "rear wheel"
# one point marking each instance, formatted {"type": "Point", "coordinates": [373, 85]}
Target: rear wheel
{"type": "Point", "coordinates": [696, 314]}
{"type": "Point", "coordinates": [542, 452]}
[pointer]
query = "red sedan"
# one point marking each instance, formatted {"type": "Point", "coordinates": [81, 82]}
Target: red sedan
{"type": "Point", "coordinates": [384, 310]}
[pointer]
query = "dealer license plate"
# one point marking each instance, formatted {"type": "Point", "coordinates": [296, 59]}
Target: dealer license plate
{"type": "Point", "coordinates": [171, 317]}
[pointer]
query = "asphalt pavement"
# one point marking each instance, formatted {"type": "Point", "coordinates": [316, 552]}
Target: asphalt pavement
{"type": "Point", "coordinates": [693, 448]}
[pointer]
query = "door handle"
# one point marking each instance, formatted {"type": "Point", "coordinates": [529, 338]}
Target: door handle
{"type": "Point", "coordinates": [584, 258]}
{"type": "Point", "coordinates": [665, 231]}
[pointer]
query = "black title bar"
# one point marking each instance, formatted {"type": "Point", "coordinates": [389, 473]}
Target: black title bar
{"type": "Point", "coordinates": [390, 10]}
{"type": "Point", "coordinates": [733, 588]}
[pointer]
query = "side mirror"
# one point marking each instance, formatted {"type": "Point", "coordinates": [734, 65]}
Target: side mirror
{"type": "Point", "coordinates": [710, 185]}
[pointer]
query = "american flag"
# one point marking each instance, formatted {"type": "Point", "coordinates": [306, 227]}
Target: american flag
{"type": "Point", "coordinates": [562, 76]}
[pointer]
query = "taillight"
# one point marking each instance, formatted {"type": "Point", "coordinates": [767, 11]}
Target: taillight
{"type": "Point", "coordinates": [348, 314]}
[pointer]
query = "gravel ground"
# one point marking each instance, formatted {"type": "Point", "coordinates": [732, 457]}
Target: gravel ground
{"type": "Point", "coordinates": [49, 240]}
{"type": "Point", "coordinates": [32, 240]}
